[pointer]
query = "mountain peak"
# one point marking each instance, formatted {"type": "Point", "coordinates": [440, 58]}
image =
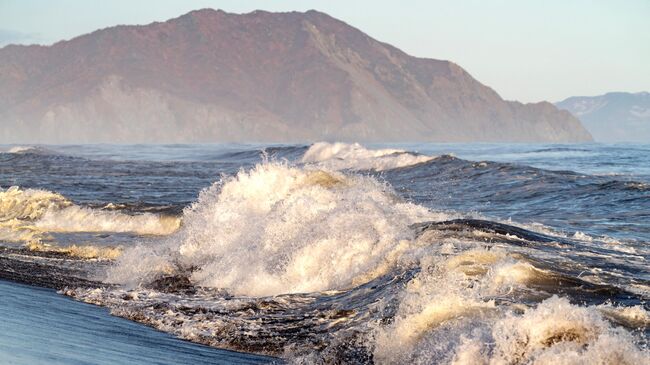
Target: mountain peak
{"type": "Point", "coordinates": [614, 116]}
{"type": "Point", "coordinates": [203, 13]}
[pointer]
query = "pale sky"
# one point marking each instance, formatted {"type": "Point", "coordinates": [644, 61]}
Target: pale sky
{"type": "Point", "coordinates": [525, 50]}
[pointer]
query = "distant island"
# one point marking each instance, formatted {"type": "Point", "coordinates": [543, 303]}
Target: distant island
{"type": "Point", "coordinates": [211, 76]}
{"type": "Point", "coordinates": [613, 117]}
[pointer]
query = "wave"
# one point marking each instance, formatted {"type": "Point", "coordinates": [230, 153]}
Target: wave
{"type": "Point", "coordinates": [533, 194]}
{"type": "Point", "coordinates": [267, 230]}
{"type": "Point", "coordinates": [22, 149]}
{"type": "Point", "coordinates": [554, 332]}
{"type": "Point", "coordinates": [624, 185]}
{"type": "Point", "coordinates": [318, 265]}
{"type": "Point", "coordinates": [273, 152]}
{"type": "Point", "coordinates": [344, 156]}
{"type": "Point", "coordinates": [33, 150]}
{"type": "Point", "coordinates": [560, 149]}
{"type": "Point", "coordinates": [78, 251]}
{"type": "Point", "coordinates": [27, 215]}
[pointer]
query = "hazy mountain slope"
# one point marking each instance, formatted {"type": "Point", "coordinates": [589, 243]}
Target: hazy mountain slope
{"type": "Point", "coordinates": [214, 76]}
{"type": "Point", "coordinates": [613, 117]}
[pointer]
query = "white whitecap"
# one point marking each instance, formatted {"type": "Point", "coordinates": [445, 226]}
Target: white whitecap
{"type": "Point", "coordinates": [345, 156]}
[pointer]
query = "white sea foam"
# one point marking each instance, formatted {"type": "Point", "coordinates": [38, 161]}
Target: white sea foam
{"type": "Point", "coordinates": [634, 316]}
{"type": "Point", "coordinates": [555, 332]}
{"type": "Point", "coordinates": [344, 156]}
{"type": "Point", "coordinates": [27, 215]}
{"type": "Point", "coordinates": [447, 316]}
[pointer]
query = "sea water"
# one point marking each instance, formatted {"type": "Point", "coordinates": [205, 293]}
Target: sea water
{"type": "Point", "coordinates": [335, 252]}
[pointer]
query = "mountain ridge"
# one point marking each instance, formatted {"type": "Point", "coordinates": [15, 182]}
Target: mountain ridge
{"type": "Point", "coordinates": [209, 76]}
{"type": "Point", "coordinates": [613, 116]}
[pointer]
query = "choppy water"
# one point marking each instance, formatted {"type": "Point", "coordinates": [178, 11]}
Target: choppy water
{"type": "Point", "coordinates": [342, 253]}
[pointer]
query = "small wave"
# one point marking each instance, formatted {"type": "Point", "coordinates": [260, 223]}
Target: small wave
{"type": "Point", "coordinates": [560, 149]}
{"type": "Point", "coordinates": [273, 152]}
{"type": "Point", "coordinates": [343, 156]}
{"type": "Point", "coordinates": [36, 150]}
{"type": "Point", "coordinates": [79, 251]}
{"type": "Point", "coordinates": [632, 317]}
{"type": "Point", "coordinates": [27, 215]}
{"type": "Point", "coordinates": [139, 207]}
{"type": "Point", "coordinates": [624, 185]}
{"type": "Point", "coordinates": [22, 149]}
{"type": "Point", "coordinates": [616, 244]}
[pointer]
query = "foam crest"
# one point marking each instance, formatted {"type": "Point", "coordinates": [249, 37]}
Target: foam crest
{"type": "Point", "coordinates": [29, 204]}
{"type": "Point", "coordinates": [26, 215]}
{"type": "Point", "coordinates": [22, 149]}
{"type": "Point", "coordinates": [410, 329]}
{"type": "Point", "coordinates": [344, 156]}
{"type": "Point", "coordinates": [448, 314]}
{"type": "Point", "coordinates": [452, 286]}
{"type": "Point", "coordinates": [635, 316]}
{"type": "Point", "coordinates": [81, 219]}
{"type": "Point", "coordinates": [554, 332]}
{"type": "Point", "coordinates": [37, 150]}
{"type": "Point", "coordinates": [278, 229]}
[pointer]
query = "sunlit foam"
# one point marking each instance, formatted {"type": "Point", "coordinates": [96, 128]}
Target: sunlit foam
{"type": "Point", "coordinates": [344, 156]}
{"type": "Point", "coordinates": [27, 215]}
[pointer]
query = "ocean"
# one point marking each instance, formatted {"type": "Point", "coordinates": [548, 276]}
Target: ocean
{"type": "Point", "coordinates": [326, 253]}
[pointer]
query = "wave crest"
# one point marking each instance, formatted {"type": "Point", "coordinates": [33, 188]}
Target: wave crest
{"type": "Point", "coordinates": [554, 332]}
{"type": "Point", "coordinates": [36, 150]}
{"type": "Point", "coordinates": [26, 215]}
{"type": "Point", "coordinates": [344, 156]}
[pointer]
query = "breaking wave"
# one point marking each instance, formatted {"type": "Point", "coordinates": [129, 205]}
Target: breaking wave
{"type": "Point", "coordinates": [555, 332]}
{"type": "Point", "coordinates": [28, 215]}
{"type": "Point", "coordinates": [78, 251]}
{"type": "Point", "coordinates": [22, 149]}
{"type": "Point", "coordinates": [36, 150]}
{"type": "Point", "coordinates": [278, 229]}
{"type": "Point", "coordinates": [344, 156]}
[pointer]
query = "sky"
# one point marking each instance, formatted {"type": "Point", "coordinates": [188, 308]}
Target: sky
{"type": "Point", "coordinates": [525, 50]}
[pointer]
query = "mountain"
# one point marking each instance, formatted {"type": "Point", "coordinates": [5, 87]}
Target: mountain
{"type": "Point", "coordinates": [213, 76]}
{"type": "Point", "coordinates": [613, 117]}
